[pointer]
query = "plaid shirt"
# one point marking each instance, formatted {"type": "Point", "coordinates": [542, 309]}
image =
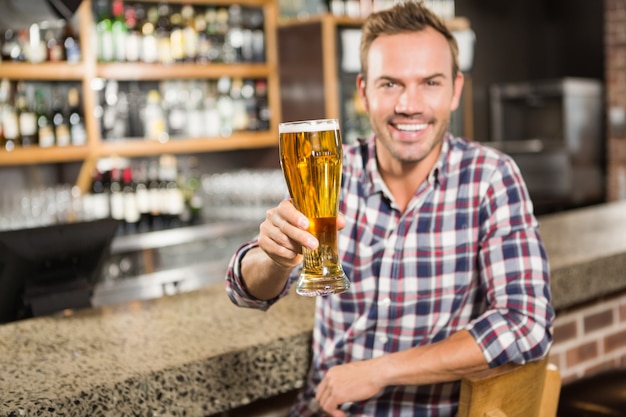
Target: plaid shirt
{"type": "Point", "coordinates": [465, 254]}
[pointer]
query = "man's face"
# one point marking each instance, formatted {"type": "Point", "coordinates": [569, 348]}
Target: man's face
{"type": "Point", "coordinates": [409, 94]}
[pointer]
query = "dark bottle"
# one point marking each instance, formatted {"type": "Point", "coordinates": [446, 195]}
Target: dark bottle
{"type": "Point", "coordinates": [71, 46]}
{"type": "Point", "coordinates": [119, 31]}
{"type": "Point", "coordinates": [131, 210]}
{"type": "Point", "coordinates": [45, 128]}
{"type": "Point", "coordinates": [263, 109]}
{"type": "Point", "coordinates": [59, 120]}
{"type": "Point", "coordinates": [116, 197]}
{"type": "Point", "coordinates": [26, 115]}
{"type": "Point", "coordinates": [104, 32]}
{"type": "Point", "coordinates": [142, 196]}
{"type": "Point", "coordinates": [78, 134]}
{"type": "Point", "coordinates": [10, 120]}
{"type": "Point", "coordinates": [101, 204]}
{"type": "Point", "coordinates": [133, 37]}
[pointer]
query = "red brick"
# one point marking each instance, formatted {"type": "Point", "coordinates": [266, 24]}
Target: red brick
{"type": "Point", "coordinates": [581, 354]}
{"type": "Point", "coordinates": [615, 341]}
{"type": "Point", "coordinates": [566, 331]}
{"type": "Point", "coordinates": [598, 321]}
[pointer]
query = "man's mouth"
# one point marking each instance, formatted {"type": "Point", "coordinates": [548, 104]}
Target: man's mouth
{"type": "Point", "coordinates": [411, 127]}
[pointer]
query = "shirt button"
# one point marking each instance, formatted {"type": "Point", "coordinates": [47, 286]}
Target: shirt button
{"type": "Point", "coordinates": [385, 302]}
{"type": "Point", "coordinates": [383, 339]}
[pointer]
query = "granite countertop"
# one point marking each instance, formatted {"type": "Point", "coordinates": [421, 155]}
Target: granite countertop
{"type": "Point", "coordinates": [587, 252]}
{"type": "Point", "coordinates": [193, 354]}
{"type": "Point", "coordinates": [196, 354]}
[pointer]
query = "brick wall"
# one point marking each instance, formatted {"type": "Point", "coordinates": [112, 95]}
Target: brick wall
{"type": "Point", "coordinates": [590, 339]}
{"type": "Point", "coordinates": [615, 60]}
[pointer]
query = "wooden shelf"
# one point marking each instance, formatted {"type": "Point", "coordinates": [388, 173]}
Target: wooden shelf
{"type": "Point", "coordinates": [54, 71]}
{"type": "Point", "coordinates": [34, 155]}
{"type": "Point", "coordinates": [138, 71]}
{"type": "Point", "coordinates": [141, 147]}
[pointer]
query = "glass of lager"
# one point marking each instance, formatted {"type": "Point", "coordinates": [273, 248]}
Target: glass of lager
{"type": "Point", "coordinates": [311, 158]}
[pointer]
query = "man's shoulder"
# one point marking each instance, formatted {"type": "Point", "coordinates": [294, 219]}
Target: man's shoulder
{"type": "Point", "coordinates": [463, 154]}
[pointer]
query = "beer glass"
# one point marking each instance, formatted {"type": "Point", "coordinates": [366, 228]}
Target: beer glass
{"type": "Point", "coordinates": [311, 158]}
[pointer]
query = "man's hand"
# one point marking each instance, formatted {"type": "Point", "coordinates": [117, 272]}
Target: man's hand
{"type": "Point", "coordinates": [355, 381]}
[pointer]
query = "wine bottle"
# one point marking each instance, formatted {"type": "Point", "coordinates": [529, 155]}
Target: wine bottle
{"type": "Point", "coordinates": [119, 31]}
{"type": "Point", "coordinates": [27, 117]}
{"type": "Point", "coordinates": [45, 129]}
{"type": "Point", "coordinates": [78, 133]}
{"type": "Point", "coordinates": [104, 32]}
{"type": "Point", "coordinates": [59, 120]}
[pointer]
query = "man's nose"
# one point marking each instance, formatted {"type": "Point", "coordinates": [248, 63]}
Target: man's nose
{"type": "Point", "coordinates": [410, 101]}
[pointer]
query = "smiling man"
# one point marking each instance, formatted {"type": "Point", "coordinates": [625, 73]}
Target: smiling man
{"type": "Point", "coordinates": [438, 237]}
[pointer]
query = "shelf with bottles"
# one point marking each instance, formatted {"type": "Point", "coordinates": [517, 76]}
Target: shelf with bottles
{"type": "Point", "coordinates": [149, 117]}
{"type": "Point", "coordinates": [170, 33]}
{"type": "Point", "coordinates": [37, 117]}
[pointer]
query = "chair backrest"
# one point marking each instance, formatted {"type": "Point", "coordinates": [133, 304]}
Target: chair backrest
{"type": "Point", "coordinates": [530, 390]}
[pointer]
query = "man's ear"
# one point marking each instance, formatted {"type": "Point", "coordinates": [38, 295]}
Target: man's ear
{"type": "Point", "coordinates": [360, 86]}
{"type": "Point", "coordinates": [458, 90]}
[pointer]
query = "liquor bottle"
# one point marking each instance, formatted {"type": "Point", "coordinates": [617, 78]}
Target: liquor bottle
{"type": "Point", "coordinates": [116, 197]}
{"type": "Point", "coordinates": [71, 45]}
{"type": "Point", "coordinates": [119, 31]}
{"type": "Point", "coordinates": [248, 95]}
{"type": "Point", "coordinates": [195, 112]}
{"type": "Point", "coordinates": [54, 47]}
{"type": "Point", "coordinates": [212, 126]}
{"type": "Point", "coordinates": [225, 51]}
{"type": "Point", "coordinates": [212, 42]}
{"type": "Point", "coordinates": [27, 117]}
{"type": "Point", "coordinates": [225, 106]}
{"type": "Point", "coordinates": [59, 120]}
{"type": "Point", "coordinates": [240, 116]}
{"type": "Point", "coordinates": [133, 37]}
{"type": "Point", "coordinates": [165, 26]}
{"type": "Point", "coordinates": [175, 98]}
{"type": "Point", "coordinates": [192, 192]}
{"type": "Point", "coordinates": [45, 128]}
{"type": "Point", "coordinates": [154, 119]}
{"type": "Point", "coordinates": [177, 38]}
{"type": "Point", "coordinates": [78, 133]}
{"type": "Point", "coordinates": [263, 109]}
{"type": "Point", "coordinates": [131, 210]}
{"type": "Point", "coordinates": [10, 120]}
{"type": "Point", "coordinates": [190, 33]}
{"type": "Point", "coordinates": [104, 32]}
{"type": "Point", "coordinates": [154, 195]}
{"type": "Point", "coordinates": [99, 196]}
{"type": "Point", "coordinates": [142, 196]}
{"type": "Point", "coordinates": [172, 197]}
{"type": "Point", "coordinates": [150, 47]}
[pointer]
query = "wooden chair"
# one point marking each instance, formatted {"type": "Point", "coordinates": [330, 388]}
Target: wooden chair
{"type": "Point", "coordinates": [530, 390]}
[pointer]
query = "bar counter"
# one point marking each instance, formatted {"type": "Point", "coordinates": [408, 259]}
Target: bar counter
{"type": "Point", "coordinates": [195, 354]}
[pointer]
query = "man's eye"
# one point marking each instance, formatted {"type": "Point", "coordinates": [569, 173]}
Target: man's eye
{"type": "Point", "coordinates": [433, 83]}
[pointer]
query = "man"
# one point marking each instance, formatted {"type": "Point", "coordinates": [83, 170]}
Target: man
{"type": "Point", "coordinates": [449, 275]}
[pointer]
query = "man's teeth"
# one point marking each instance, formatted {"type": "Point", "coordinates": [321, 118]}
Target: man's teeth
{"type": "Point", "coordinates": [411, 127]}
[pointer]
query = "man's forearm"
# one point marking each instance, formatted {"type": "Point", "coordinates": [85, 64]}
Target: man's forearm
{"type": "Point", "coordinates": [264, 278]}
{"type": "Point", "coordinates": [447, 360]}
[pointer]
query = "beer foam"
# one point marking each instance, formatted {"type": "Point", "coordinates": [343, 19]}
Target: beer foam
{"type": "Point", "coordinates": [308, 126]}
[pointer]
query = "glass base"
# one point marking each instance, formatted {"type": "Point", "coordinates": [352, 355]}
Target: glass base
{"type": "Point", "coordinates": [312, 286]}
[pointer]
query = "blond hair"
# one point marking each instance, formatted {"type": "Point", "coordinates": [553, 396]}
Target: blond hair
{"type": "Point", "coordinates": [407, 16]}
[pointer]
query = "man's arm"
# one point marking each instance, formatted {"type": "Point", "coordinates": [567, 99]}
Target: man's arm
{"type": "Point", "coordinates": [444, 361]}
{"type": "Point", "coordinates": [259, 271]}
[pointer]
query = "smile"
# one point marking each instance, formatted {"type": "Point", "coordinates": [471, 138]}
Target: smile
{"type": "Point", "coordinates": [411, 127]}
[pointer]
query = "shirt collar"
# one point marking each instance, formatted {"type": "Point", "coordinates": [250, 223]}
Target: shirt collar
{"type": "Point", "coordinates": [374, 181]}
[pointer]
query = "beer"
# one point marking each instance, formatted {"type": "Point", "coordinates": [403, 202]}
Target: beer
{"type": "Point", "coordinates": [311, 158]}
